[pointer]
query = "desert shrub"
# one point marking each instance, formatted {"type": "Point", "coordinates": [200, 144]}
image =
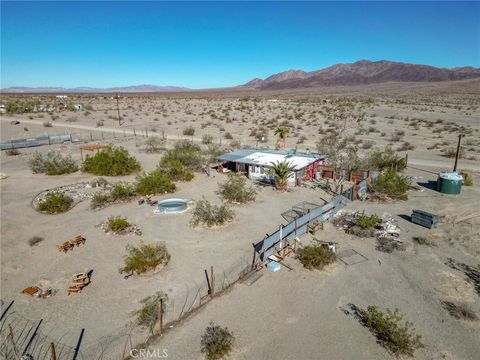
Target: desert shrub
{"type": "Point", "coordinates": [154, 182]}
{"type": "Point", "coordinates": [154, 144]}
{"type": "Point", "coordinates": [175, 170]}
{"type": "Point", "coordinates": [47, 124]}
{"type": "Point", "coordinates": [361, 232]}
{"type": "Point", "coordinates": [386, 158]}
{"type": "Point", "coordinates": [148, 315]}
{"type": "Point", "coordinates": [368, 222]}
{"type": "Point", "coordinates": [144, 257]}
{"type": "Point", "coordinates": [188, 154]}
{"type": "Point", "coordinates": [53, 163]}
{"type": "Point", "coordinates": [406, 146]}
{"type": "Point", "coordinates": [386, 326]}
{"type": "Point", "coordinates": [216, 342]}
{"type": "Point", "coordinates": [189, 131]}
{"type": "Point", "coordinates": [468, 181]}
{"type": "Point", "coordinates": [451, 152]}
{"type": "Point", "coordinates": [35, 240]}
{"type": "Point", "coordinates": [55, 203]}
{"type": "Point", "coordinates": [235, 189]}
{"type": "Point", "coordinates": [111, 162]}
{"type": "Point", "coordinates": [424, 240]}
{"type": "Point", "coordinates": [228, 136]}
{"type": "Point", "coordinates": [397, 135]}
{"type": "Point", "coordinates": [315, 256]}
{"type": "Point", "coordinates": [99, 200]}
{"type": "Point", "coordinates": [12, 152]}
{"type": "Point", "coordinates": [212, 151]}
{"type": "Point", "coordinates": [117, 224]}
{"type": "Point", "coordinates": [207, 139]}
{"type": "Point", "coordinates": [460, 311]}
{"type": "Point", "coordinates": [211, 215]}
{"type": "Point", "coordinates": [394, 185]}
{"type": "Point", "coordinates": [122, 191]}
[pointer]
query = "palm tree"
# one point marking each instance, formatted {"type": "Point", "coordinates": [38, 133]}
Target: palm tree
{"type": "Point", "coordinates": [282, 134]}
{"type": "Point", "coordinates": [280, 172]}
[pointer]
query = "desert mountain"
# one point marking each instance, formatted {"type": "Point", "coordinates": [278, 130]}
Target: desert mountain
{"type": "Point", "coordinates": [362, 72]}
{"type": "Point", "coordinates": [126, 89]}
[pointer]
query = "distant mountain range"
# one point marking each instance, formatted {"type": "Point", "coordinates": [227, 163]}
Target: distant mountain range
{"type": "Point", "coordinates": [361, 72]}
{"type": "Point", "coordinates": [358, 73]}
{"type": "Point", "coordinates": [125, 89]}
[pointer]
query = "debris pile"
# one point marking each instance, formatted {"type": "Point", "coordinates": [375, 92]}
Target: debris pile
{"type": "Point", "coordinates": [386, 230]}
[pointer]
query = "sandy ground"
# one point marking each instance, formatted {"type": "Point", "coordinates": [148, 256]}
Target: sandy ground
{"type": "Point", "coordinates": [285, 315]}
{"type": "Point", "coordinates": [303, 314]}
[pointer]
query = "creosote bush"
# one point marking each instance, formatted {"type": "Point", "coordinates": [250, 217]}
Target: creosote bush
{"type": "Point", "coordinates": [53, 163]}
{"type": "Point", "coordinates": [148, 315]}
{"type": "Point", "coordinates": [144, 257]}
{"type": "Point", "coordinates": [111, 162]}
{"type": "Point", "coordinates": [368, 222]}
{"type": "Point", "coordinates": [386, 326]}
{"type": "Point", "coordinates": [55, 203]}
{"type": "Point", "coordinates": [122, 191]}
{"type": "Point", "coordinates": [35, 240]}
{"type": "Point", "coordinates": [386, 158]}
{"type": "Point", "coordinates": [211, 215]}
{"type": "Point", "coordinates": [117, 224]}
{"type": "Point", "coordinates": [154, 144]}
{"type": "Point", "coordinates": [216, 342]}
{"type": "Point", "coordinates": [315, 256]}
{"type": "Point", "coordinates": [235, 189]}
{"type": "Point", "coordinates": [99, 200]}
{"type": "Point", "coordinates": [187, 153]}
{"type": "Point", "coordinates": [189, 131]}
{"type": "Point", "coordinates": [154, 182]}
{"type": "Point", "coordinates": [394, 185]}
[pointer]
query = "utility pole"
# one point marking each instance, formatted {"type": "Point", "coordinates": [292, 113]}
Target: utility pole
{"type": "Point", "coordinates": [118, 110]}
{"type": "Point", "coordinates": [458, 153]}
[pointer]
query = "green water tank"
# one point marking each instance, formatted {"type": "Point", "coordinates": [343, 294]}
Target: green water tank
{"type": "Point", "coordinates": [450, 183]}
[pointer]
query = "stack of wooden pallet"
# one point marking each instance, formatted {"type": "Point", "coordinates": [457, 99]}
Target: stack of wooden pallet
{"type": "Point", "coordinates": [79, 281]}
{"type": "Point", "coordinates": [69, 245]}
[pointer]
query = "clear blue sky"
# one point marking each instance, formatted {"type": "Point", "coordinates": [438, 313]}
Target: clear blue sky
{"type": "Point", "coordinates": [216, 44]}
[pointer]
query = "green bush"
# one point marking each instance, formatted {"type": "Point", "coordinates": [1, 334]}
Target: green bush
{"type": "Point", "coordinates": [216, 342]}
{"type": "Point", "coordinates": [394, 185]}
{"type": "Point", "coordinates": [55, 203]}
{"type": "Point", "coordinates": [122, 191]}
{"type": "Point", "coordinates": [207, 139]}
{"type": "Point", "coordinates": [368, 222]}
{"type": "Point", "coordinates": [99, 200]}
{"type": "Point", "coordinates": [154, 182]}
{"type": "Point", "coordinates": [386, 158]}
{"type": "Point", "coordinates": [235, 189]}
{"type": "Point", "coordinates": [145, 257]}
{"type": "Point", "coordinates": [111, 162]}
{"type": "Point", "coordinates": [468, 181]}
{"type": "Point", "coordinates": [53, 163]}
{"type": "Point", "coordinates": [386, 326]}
{"type": "Point", "coordinates": [148, 315]}
{"type": "Point", "coordinates": [175, 170]}
{"type": "Point", "coordinates": [189, 131]}
{"type": "Point", "coordinates": [117, 224]}
{"type": "Point", "coordinates": [154, 144]}
{"type": "Point", "coordinates": [188, 154]}
{"type": "Point", "coordinates": [316, 256]}
{"type": "Point", "coordinates": [211, 215]}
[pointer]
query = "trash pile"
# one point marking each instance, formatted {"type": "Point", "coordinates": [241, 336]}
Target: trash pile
{"type": "Point", "coordinates": [385, 230]}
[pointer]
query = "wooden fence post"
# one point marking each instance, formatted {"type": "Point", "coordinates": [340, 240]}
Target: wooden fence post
{"type": "Point", "coordinates": [161, 316]}
{"type": "Point", "coordinates": [134, 133]}
{"type": "Point", "coordinates": [212, 278]}
{"type": "Point", "coordinates": [52, 350]}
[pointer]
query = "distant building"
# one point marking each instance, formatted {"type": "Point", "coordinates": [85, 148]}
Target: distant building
{"type": "Point", "coordinates": [78, 107]}
{"type": "Point", "coordinates": [3, 110]}
{"type": "Point", "coordinates": [254, 163]}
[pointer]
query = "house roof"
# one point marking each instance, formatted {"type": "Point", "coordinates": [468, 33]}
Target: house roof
{"type": "Point", "coordinates": [267, 157]}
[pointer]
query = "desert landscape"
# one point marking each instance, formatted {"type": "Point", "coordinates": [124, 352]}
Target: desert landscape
{"type": "Point", "coordinates": [422, 120]}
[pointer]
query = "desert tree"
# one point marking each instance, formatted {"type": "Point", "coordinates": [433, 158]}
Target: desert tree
{"type": "Point", "coordinates": [281, 133]}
